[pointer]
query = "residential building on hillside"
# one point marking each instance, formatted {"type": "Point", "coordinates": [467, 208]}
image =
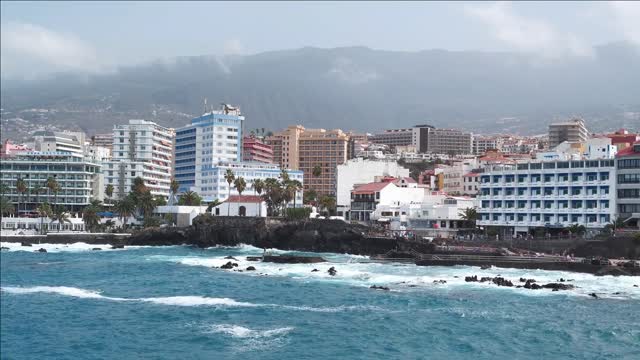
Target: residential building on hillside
{"type": "Point", "coordinates": [307, 150]}
{"type": "Point", "coordinates": [482, 144]}
{"type": "Point", "coordinates": [8, 148]}
{"type": "Point", "coordinates": [547, 195]}
{"type": "Point", "coordinates": [429, 139]}
{"type": "Point", "coordinates": [254, 149]}
{"type": "Point", "coordinates": [211, 138]}
{"type": "Point", "coordinates": [57, 141]}
{"type": "Point", "coordinates": [573, 130]}
{"type": "Point", "coordinates": [393, 137]}
{"type": "Point", "coordinates": [79, 179]}
{"type": "Point", "coordinates": [455, 177]}
{"type": "Point", "coordinates": [213, 184]}
{"type": "Point", "coordinates": [623, 138]}
{"type": "Point", "coordinates": [628, 184]}
{"type": "Point", "coordinates": [103, 140]}
{"type": "Point", "coordinates": [140, 149]}
{"type": "Point", "coordinates": [359, 171]}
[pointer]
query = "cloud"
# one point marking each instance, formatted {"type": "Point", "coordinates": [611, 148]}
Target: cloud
{"type": "Point", "coordinates": [233, 47]}
{"type": "Point", "coordinates": [28, 48]}
{"type": "Point", "coordinates": [525, 34]}
{"type": "Point", "coordinates": [627, 18]}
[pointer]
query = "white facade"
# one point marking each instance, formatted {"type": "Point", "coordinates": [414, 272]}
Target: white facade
{"type": "Point", "coordinates": [141, 149]}
{"type": "Point", "coordinates": [214, 186]}
{"type": "Point", "coordinates": [454, 177]}
{"type": "Point", "coordinates": [97, 154]}
{"type": "Point", "coordinates": [241, 208]}
{"type": "Point", "coordinates": [552, 194]}
{"type": "Point", "coordinates": [599, 148]}
{"type": "Point", "coordinates": [366, 198]}
{"type": "Point", "coordinates": [482, 144]}
{"type": "Point", "coordinates": [360, 171]}
{"type": "Point", "coordinates": [59, 141]}
{"type": "Point", "coordinates": [183, 215]}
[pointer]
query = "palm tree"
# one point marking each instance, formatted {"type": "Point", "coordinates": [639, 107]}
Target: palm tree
{"type": "Point", "coordinates": [109, 192]}
{"type": "Point", "coordinates": [175, 185]}
{"type": "Point", "coordinates": [52, 185]}
{"type": "Point", "coordinates": [469, 215]}
{"type": "Point", "coordinates": [258, 186]}
{"type": "Point", "coordinates": [37, 190]}
{"type": "Point", "coordinates": [190, 198]}
{"type": "Point", "coordinates": [146, 203]}
{"type": "Point", "coordinates": [310, 196]}
{"type": "Point", "coordinates": [3, 188]}
{"type": "Point", "coordinates": [90, 216]}
{"type": "Point", "coordinates": [125, 208]}
{"type": "Point", "coordinates": [240, 184]}
{"type": "Point", "coordinates": [284, 175]}
{"type": "Point", "coordinates": [138, 186]}
{"type": "Point", "coordinates": [61, 216]}
{"type": "Point", "coordinates": [21, 188]}
{"type": "Point", "coordinates": [6, 207]}
{"type": "Point", "coordinates": [577, 229]}
{"type": "Point", "coordinates": [44, 210]}
{"type": "Point", "coordinates": [229, 177]}
{"type": "Point", "coordinates": [293, 186]}
{"type": "Point", "coordinates": [328, 202]}
{"type": "Point", "coordinates": [317, 171]}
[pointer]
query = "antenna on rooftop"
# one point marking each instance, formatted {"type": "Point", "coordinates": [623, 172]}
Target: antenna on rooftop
{"type": "Point", "coordinates": [205, 105]}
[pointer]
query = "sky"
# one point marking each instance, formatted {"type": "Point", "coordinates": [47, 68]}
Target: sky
{"type": "Point", "coordinates": [41, 37]}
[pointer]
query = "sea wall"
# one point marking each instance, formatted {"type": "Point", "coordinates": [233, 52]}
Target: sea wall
{"type": "Point", "coordinates": [62, 238]}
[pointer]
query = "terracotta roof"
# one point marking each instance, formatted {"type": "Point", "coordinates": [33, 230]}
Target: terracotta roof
{"type": "Point", "coordinates": [407, 180]}
{"type": "Point", "coordinates": [628, 151]}
{"type": "Point", "coordinates": [244, 199]}
{"type": "Point", "coordinates": [471, 174]}
{"type": "Point", "coordinates": [370, 188]}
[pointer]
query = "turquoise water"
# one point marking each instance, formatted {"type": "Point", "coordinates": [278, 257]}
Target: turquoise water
{"type": "Point", "coordinates": [170, 303]}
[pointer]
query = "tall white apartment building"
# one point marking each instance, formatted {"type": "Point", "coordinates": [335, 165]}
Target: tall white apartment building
{"type": "Point", "coordinates": [214, 185]}
{"type": "Point", "coordinates": [551, 195]}
{"type": "Point", "coordinates": [59, 141]}
{"type": "Point", "coordinates": [211, 138]}
{"type": "Point", "coordinates": [140, 149]}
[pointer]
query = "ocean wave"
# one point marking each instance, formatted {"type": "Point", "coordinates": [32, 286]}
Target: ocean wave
{"type": "Point", "coordinates": [185, 301]}
{"type": "Point", "coordinates": [243, 332]}
{"type": "Point", "coordinates": [56, 248]}
{"type": "Point", "coordinates": [409, 277]}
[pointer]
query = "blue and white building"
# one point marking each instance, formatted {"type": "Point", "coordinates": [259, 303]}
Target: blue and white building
{"type": "Point", "coordinates": [553, 194]}
{"type": "Point", "coordinates": [214, 186]}
{"type": "Point", "coordinates": [214, 137]}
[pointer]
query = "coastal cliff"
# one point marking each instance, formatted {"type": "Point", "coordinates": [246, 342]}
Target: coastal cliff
{"type": "Point", "coordinates": [314, 235]}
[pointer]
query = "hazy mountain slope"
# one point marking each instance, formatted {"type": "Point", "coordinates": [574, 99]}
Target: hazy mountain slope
{"type": "Point", "coordinates": [355, 88]}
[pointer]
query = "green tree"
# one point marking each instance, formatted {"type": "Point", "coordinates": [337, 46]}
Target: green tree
{"type": "Point", "coordinates": [146, 203]}
{"type": "Point", "coordinates": [328, 203]}
{"type": "Point", "coordinates": [53, 186]}
{"type": "Point", "coordinates": [310, 196]}
{"type": "Point", "coordinates": [37, 190]}
{"type": "Point", "coordinates": [21, 188]}
{"type": "Point", "coordinates": [273, 194]}
{"type": "Point", "coordinates": [469, 215]}
{"type": "Point", "coordinates": [317, 171]}
{"type": "Point", "coordinates": [292, 187]}
{"type": "Point", "coordinates": [240, 184]}
{"type": "Point", "coordinates": [125, 208]}
{"type": "Point", "coordinates": [190, 198]}
{"type": "Point", "coordinates": [138, 186]}
{"type": "Point", "coordinates": [175, 185]}
{"type": "Point", "coordinates": [60, 216]}
{"type": "Point", "coordinates": [109, 192]}
{"type": "Point", "coordinates": [90, 216]}
{"type": "Point", "coordinates": [44, 210]}
{"type": "Point", "coordinates": [6, 207]}
{"type": "Point", "coordinates": [576, 229]}
{"type": "Point", "coordinates": [258, 186]}
{"type": "Point", "coordinates": [230, 177]}
{"type": "Point", "coordinates": [160, 201]}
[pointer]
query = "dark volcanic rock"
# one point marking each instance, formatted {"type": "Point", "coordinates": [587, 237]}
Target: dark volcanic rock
{"type": "Point", "coordinates": [315, 270]}
{"type": "Point", "coordinates": [230, 258]}
{"type": "Point", "coordinates": [558, 286]}
{"type": "Point", "coordinates": [485, 267]}
{"type": "Point", "coordinates": [593, 295]}
{"type": "Point", "coordinates": [25, 244]}
{"type": "Point", "coordinates": [379, 287]}
{"type": "Point", "coordinates": [229, 265]}
{"type": "Point", "coordinates": [332, 271]}
{"type": "Point", "coordinates": [96, 249]}
{"type": "Point", "coordinates": [473, 278]}
{"type": "Point", "coordinates": [500, 281]}
{"type": "Point", "coordinates": [251, 268]}
{"type": "Point", "coordinates": [530, 284]}
{"type": "Point", "coordinates": [4, 248]}
{"type": "Point", "coordinates": [486, 278]}
{"type": "Point", "coordinates": [439, 281]}
{"type": "Point", "coordinates": [117, 246]}
{"type": "Point", "coordinates": [293, 259]}
{"type": "Point", "coordinates": [42, 250]}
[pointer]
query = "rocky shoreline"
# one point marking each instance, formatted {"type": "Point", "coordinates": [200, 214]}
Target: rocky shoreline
{"type": "Point", "coordinates": [317, 235]}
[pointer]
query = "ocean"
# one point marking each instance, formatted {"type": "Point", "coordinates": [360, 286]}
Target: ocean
{"type": "Point", "coordinates": [173, 303]}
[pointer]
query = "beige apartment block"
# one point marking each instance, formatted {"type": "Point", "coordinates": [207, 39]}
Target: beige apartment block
{"type": "Point", "coordinates": [303, 149]}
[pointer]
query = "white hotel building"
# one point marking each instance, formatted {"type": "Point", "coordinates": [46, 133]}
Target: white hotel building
{"type": "Point", "coordinates": [140, 149]}
{"type": "Point", "coordinates": [553, 194]}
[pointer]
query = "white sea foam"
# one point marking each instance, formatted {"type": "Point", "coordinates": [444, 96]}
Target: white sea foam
{"type": "Point", "coordinates": [54, 248]}
{"type": "Point", "coordinates": [411, 277]}
{"type": "Point", "coordinates": [196, 301]}
{"type": "Point", "coordinates": [186, 301]}
{"type": "Point", "coordinates": [243, 332]}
